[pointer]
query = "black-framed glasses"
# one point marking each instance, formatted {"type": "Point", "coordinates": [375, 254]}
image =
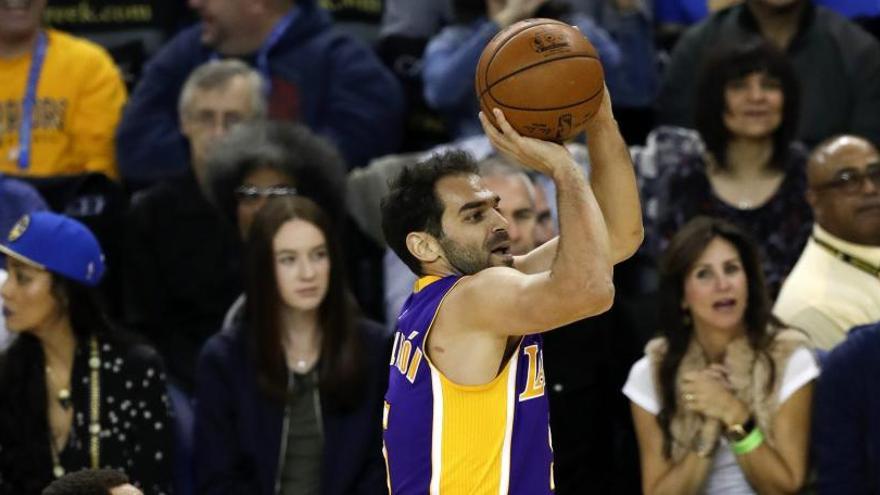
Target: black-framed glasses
{"type": "Point", "coordinates": [851, 181]}
{"type": "Point", "coordinates": [252, 193]}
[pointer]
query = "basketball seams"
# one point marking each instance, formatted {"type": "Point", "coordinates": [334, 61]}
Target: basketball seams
{"type": "Point", "coordinates": [536, 64]}
{"type": "Point", "coordinates": [510, 48]}
{"type": "Point", "coordinates": [510, 36]}
{"type": "Point", "coordinates": [522, 109]}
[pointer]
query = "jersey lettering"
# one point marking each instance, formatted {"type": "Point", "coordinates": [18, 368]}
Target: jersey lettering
{"type": "Point", "coordinates": [403, 358]}
{"type": "Point", "coordinates": [535, 382]}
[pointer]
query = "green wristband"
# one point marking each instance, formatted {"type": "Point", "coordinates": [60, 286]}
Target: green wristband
{"type": "Point", "coordinates": [751, 442]}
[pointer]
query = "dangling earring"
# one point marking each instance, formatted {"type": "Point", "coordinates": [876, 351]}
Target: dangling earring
{"type": "Point", "coordinates": [686, 319]}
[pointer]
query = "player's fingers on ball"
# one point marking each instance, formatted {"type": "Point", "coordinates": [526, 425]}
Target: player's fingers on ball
{"type": "Point", "coordinates": [505, 126]}
{"type": "Point", "coordinates": [485, 121]}
{"type": "Point", "coordinates": [489, 128]}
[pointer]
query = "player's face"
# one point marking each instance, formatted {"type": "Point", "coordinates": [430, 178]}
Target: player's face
{"type": "Point", "coordinates": [845, 194]}
{"type": "Point", "coordinates": [28, 301]}
{"type": "Point", "coordinates": [302, 265]}
{"type": "Point", "coordinates": [211, 113]}
{"type": "Point", "coordinates": [716, 289]}
{"type": "Point", "coordinates": [517, 206]}
{"type": "Point", "coordinates": [753, 105]}
{"type": "Point", "coordinates": [19, 19]}
{"type": "Point", "coordinates": [474, 231]}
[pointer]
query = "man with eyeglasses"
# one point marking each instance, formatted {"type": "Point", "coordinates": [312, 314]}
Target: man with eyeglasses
{"type": "Point", "coordinates": [835, 284]}
{"type": "Point", "coordinates": [182, 265]}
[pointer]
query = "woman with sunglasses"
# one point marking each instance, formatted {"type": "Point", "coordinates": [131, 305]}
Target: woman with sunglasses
{"type": "Point", "coordinates": [289, 397]}
{"type": "Point", "coordinates": [74, 392]}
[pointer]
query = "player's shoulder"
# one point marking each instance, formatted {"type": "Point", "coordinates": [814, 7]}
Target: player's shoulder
{"type": "Point", "coordinates": [491, 275]}
{"type": "Point", "coordinates": [472, 294]}
{"type": "Point", "coordinates": [486, 283]}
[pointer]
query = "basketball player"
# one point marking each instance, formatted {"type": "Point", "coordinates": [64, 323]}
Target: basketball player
{"type": "Point", "coordinates": [466, 411]}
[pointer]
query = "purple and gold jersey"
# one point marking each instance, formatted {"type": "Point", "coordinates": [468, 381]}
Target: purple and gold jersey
{"type": "Point", "coordinates": [449, 439]}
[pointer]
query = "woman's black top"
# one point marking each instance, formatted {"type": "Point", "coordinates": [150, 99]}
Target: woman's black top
{"type": "Point", "coordinates": [136, 433]}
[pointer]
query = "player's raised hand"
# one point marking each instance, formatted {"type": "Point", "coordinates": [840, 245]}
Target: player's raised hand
{"type": "Point", "coordinates": [603, 114]}
{"type": "Point", "coordinates": [541, 156]}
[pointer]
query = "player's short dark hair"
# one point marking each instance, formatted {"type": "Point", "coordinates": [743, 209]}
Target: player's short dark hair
{"type": "Point", "coordinates": [734, 61]}
{"type": "Point", "coordinates": [412, 204]}
{"type": "Point", "coordinates": [87, 482]}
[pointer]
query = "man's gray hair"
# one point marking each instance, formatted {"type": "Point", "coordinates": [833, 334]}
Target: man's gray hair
{"type": "Point", "coordinates": [501, 166]}
{"type": "Point", "coordinates": [217, 74]}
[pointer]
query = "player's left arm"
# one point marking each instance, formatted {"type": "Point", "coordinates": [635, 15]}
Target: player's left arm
{"type": "Point", "coordinates": [613, 180]}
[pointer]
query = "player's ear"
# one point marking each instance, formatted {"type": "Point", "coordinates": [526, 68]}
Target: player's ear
{"type": "Point", "coordinates": [423, 246]}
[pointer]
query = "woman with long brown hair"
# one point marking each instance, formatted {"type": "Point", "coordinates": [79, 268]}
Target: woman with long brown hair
{"type": "Point", "coordinates": [289, 398]}
{"type": "Point", "coordinates": [721, 401]}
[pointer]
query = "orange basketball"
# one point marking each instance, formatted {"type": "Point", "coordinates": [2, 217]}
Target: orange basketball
{"type": "Point", "coordinates": [544, 75]}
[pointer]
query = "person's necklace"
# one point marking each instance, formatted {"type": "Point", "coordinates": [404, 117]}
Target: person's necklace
{"type": "Point", "coordinates": [303, 362]}
{"type": "Point", "coordinates": [94, 413]}
{"type": "Point", "coordinates": [63, 392]}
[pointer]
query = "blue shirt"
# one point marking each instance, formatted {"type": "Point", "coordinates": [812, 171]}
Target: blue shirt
{"type": "Point", "coordinates": [684, 12]}
{"type": "Point", "coordinates": [852, 8]}
{"type": "Point", "coordinates": [688, 12]}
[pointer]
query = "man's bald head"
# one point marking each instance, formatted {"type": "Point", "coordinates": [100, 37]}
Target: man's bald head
{"type": "Point", "coordinates": [836, 150]}
{"type": "Point", "coordinates": [843, 175]}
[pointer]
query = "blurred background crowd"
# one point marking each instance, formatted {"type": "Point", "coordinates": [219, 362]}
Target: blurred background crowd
{"type": "Point", "coordinates": [174, 148]}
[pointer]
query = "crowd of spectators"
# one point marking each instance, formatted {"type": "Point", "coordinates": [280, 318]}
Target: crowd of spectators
{"type": "Point", "coordinates": [171, 147]}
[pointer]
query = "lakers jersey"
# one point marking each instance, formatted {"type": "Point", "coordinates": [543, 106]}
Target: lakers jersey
{"type": "Point", "coordinates": [450, 439]}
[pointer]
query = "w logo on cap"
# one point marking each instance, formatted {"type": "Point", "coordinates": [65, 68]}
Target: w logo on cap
{"type": "Point", "coordinates": [18, 229]}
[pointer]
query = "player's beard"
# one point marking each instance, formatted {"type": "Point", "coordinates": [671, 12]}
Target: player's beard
{"type": "Point", "coordinates": [470, 260]}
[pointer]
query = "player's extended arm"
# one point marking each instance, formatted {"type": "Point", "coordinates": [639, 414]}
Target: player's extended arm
{"type": "Point", "coordinates": [579, 283]}
{"type": "Point", "coordinates": [613, 179]}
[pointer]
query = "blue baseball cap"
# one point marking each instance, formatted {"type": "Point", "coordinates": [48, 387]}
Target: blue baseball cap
{"type": "Point", "coordinates": [58, 244]}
